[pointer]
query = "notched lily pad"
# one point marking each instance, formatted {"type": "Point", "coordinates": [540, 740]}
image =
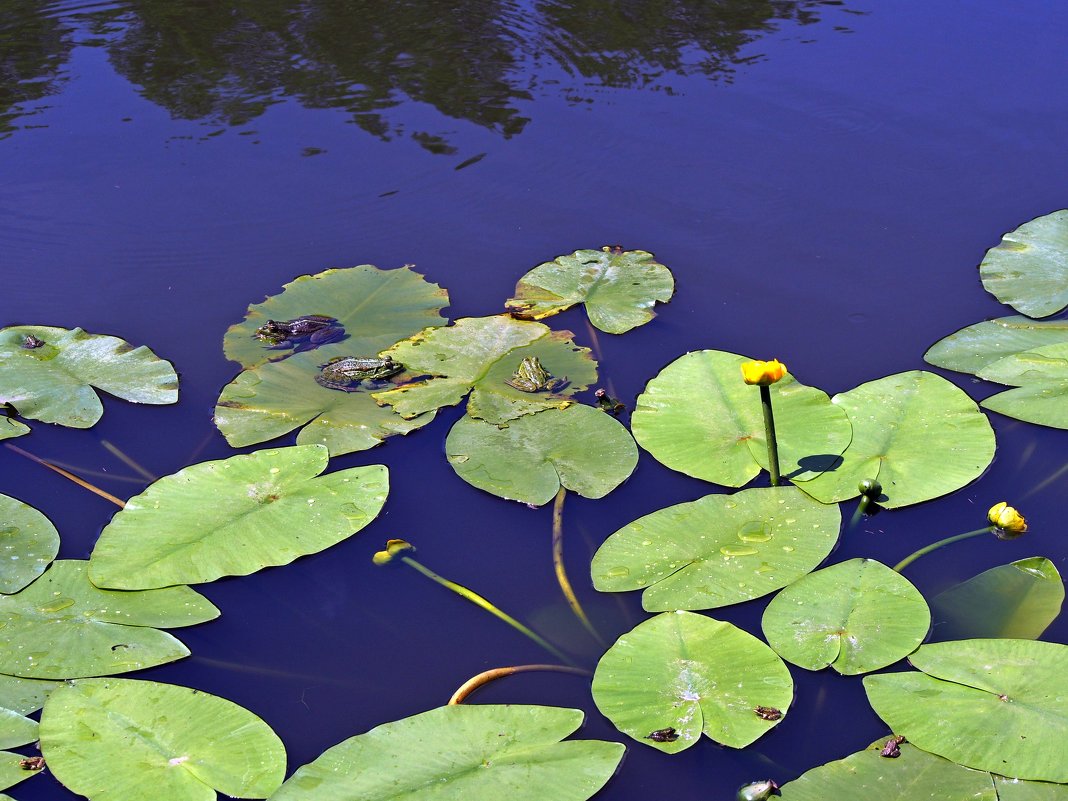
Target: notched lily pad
{"type": "Point", "coordinates": [718, 550]}
{"type": "Point", "coordinates": [618, 287]}
{"type": "Point", "coordinates": [48, 374]}
{"type": "Point", "coordinates": [680, 674]}
{"type": "Point", "coordinates": [976, 346]}
{"type": "Point", "coordinates": [28, 542]}
{"type": "Point", "coordinates": [1028, 270]}
{"type": "Point", "coordinates": [235, 516]}
{"type": "Point", "coordinates": [459, 753]}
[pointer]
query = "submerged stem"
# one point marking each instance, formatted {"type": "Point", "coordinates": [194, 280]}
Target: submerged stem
{"type": "Point", "coordinates": [486, 676]}
{"type": "Point", "coordinates": [934, 546]}
{"type": "Point", "coordinates": [70, 476]}
{"type": "Point", "coordinates": [129, 461]}
{"type": "Point", "coordinates": [561, 573]}
{"type": "Point", "coordinates": [769, 431]}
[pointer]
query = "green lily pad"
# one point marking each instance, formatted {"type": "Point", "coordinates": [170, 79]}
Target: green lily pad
{"type": "Point", "coordinates": [28, 542]}
{"type": "Point", "coordinates": [1028, 270]}
{"type": "Point", "coordinates": [265, 402]}
{"type": "Point", "coordinates": [11, 773]}
{"type": "Point", "coordinates": [1041, 378]}
{"type": "Point", "coordinates": [579, 448]}
{"type": "Point", "coordinates": [234, 517]}
{"type": "Point", "coordinates": [54, 381]}
{"type": "Point", "coordinates": [12, 428]}
{"type": "Point", "coordinates": [457, 753]}
{"type": "Point", "coordinates": [718, 550]}
{"type": "Point", "coordinates": [376, 307]}
{"type": "Point", "coordinates": [480, 355]}
{"type": "Point", "coordinates": [62, 626]}
{"type": "Point", "coordinates": [974, 347]}
{"type": "Point", "coordinates": [689, 673]}
{"type": "Point", "coordinates": [856, 616]}
{"type": "Point", "coordinates": [1046, 364]}
{"type": "Point", "coordinates": [618, 288]}
{"type": "Point", "coordinates": [698, 417]}
{"type": "Point", "coordinates": [16, 730]}
{"type": "Point", "coordinates": [24, 695]}
{"type": "Point", "coordinates": [1017, 790]}
{"type": "Point", "coordinates": [127, 740]}
{"type": "Point", "coordinates": [917, 434]}
{"type": "Point", "coordinates": [914, 775]}
{"type": "Point", "coordinates": [996, 705]}
{"type": "Point", "coordinates": [1018, 600]}
{"type": "Point", "coordinates": [1042, 404]}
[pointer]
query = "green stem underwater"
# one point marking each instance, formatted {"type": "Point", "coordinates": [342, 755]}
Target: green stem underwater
{"type": "Point", "coordinates": [769, 431]}
{"type": "Point", "coordinates": [561, 574]}
{"type": "Point", "coordinates": [934, 546]}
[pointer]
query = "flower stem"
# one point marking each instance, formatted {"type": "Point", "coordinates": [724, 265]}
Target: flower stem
{"type": "Point", "coordinates": [769, 431]}
{"type": "Point", "coordinates": [561, 574]}
{"type": "Point", "coordinates": [487, 676]}
{"type": "Point", "coordinates": [478, 600]}
{"type": "Point", "coordinates": [934, 546]}
{"type": "Point", "coordinates": [81, 482]}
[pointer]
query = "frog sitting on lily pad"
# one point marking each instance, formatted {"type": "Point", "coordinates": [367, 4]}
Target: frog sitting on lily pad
{"type": "Point", "coordinates": [347, 373]}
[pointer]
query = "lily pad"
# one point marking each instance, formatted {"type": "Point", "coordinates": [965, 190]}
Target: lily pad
{"type": "Point", "coordinates": [11, 773]}
{"type": "Point", "coordinates": [698, 417]}
{"type": "Point", "coordinates": [914, 775]}
{"type": "Point", "coordinates": [1017, 790]}
{"type": "Point", "coordinates": [1042, 404]}
{"type": "Point", "coordinates": [580, 448]}
{"type": "Point", "coordinates": [974, 347]}
{"type": "Point", "coordinates": [915, 433]}
{"type": "Point", "coordinates": [273, 399]}
{"type": "Point", "coordinates": [619, 288]}
{"type": "Point", "coordinates": [1046, 364]}
{"type": "Point", "coordinates": [856, 616]}
{"type": "Point", "coordinates": [457, 753]}
{"type": "Point", "coordinates": [234, 517]}
{"type": "Point", "coordinates": [680, 674]}
{"type": "Point", "coordinates": [127, 740]}
{"type": "Point", "coordinates": [996, 705]}
{"type": "Point", "coordinates": [16, 730]}
{"type": "Point", "coordinates": [1018, 600]}
{"type": "Point", "coordinates": [53, 381]}
{"type": "Point", "coordinates": [24, 695]}
{"type": "Point", "coordinates": [376, 307]}
{"type": "Point", "coordinates": [718, 550]}
{"type": "Point", "coordinates": [28, 542]}
{"type": "Point", "coordinates": [62, 626]}
{"type": "Point", "coordinates": [1028, 270]}
{"type": "Point", "coordinates": [12, 428]}
{"type": "Point", "coordinates": [480, 355]}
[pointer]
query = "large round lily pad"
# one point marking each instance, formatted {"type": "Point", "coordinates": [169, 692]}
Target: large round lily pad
{"type": "Point", "coordinates": [28, 542]}
{"type": "Point", "coordinates": [855, 616]}
{"type": "Point", "coordinates": [975, 346]}
{"type": "Point", "coordinates": [127, 740]}
{"type": "Point", "coordinates": [580, 448]}
{"type": "Point", "coordinates": [699, 417]}
{"type": "Point", "coordinates": [680, 674]}
{"type": "Point", "coordinates": [462, 753]}
{"type": "Point", "coordinates": [271, 400]}
{"type": "Point", "coordinates": [619, 288]}
{"type": "Point", "coordinates": [53, 381]}
{"type": "Point", "coordinates": [481, 355]}
{"type": "Point", "coordinates": [1028, 270]}
{"type": "Point", "coordinates": [62, 626]}
{"type": "Point", "coordinates": [718, 550]}
{"type": "Point", "coordinates": [917, 434]}
{"type": "Point", "coordinates": [376, 308]}
{"type": "Point", "coordinates": [234, 517]}
{"type": "Point", "coordinates": [996, 705]}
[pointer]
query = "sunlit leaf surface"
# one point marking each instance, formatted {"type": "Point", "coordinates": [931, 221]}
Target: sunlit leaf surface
{"type": "Point", "coordinates": [689, 673]}
{"type": "Point", "coordinates": [718, 550]}
{"type": "Point", "coordinates": [235, 516]}
{"type": "Point", "coordinates": [24, 695]}
{"type": "Point", "coordinates": [28, 542]}
{"type": "Point", "coordinates": [12, 428]}
{"type": "Point", "coordinates": [976, 346]}
{"type": "Point", "coordinates": [1028, 270]}
{"type": "Point", "coordinates": [16, 730]}
{"type": "Point", "coordinates": [1043, 404]}
{"type": "Point", "coordinates": [618, 288]}
{"type": "Point", "coordinates": [11, 773]}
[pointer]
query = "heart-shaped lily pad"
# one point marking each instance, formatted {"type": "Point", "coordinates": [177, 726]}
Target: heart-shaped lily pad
{"type": "Point", "coordinates": [699, 417]}
{"type": "Point", "coordinates": [975, 346]}
{"type": "Point", "coordinates": [459, 753]}
{"type": "Point", "coordinates": [618, 287]}
{"type": "Point", "coordinates": [16, 730]}
{"type": "Point", "coordinates": [996, 705]}
{"type": "Point", "coordinates": [48, 374]}
{"type": "Point", "coordinates": [375, 307]}
{"type": "Point", "coordinates": [680, 674]}
{"type": "Point", "coordinates": [718, 550]}
{"type": "Point", "coordinates": [1028, 270]}
{"type": "Point", "coordinates": [915, 433]}
{"type": "Point", "coordinates": [481, 355]}
{"type": "Point", "coordinates": [127, 740]}
{"type": "Point", "coordinates": [234, 517]}
{"type": "Point", "coordinates": [62, 626]}
{"type": "Point", "coordinates": [856, 616]}
{"type": "Point", "coordinates": [28, 542]}
{"type": "Point", "coordinates": [580, 448]}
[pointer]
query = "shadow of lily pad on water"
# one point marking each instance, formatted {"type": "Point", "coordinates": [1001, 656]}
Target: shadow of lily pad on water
{"type": "Point", "coordinates": [460, 753]}
{"type": "Point", "coordinates": [1028, 270]}
{"type": "Point", "coordinates": [28, 542]}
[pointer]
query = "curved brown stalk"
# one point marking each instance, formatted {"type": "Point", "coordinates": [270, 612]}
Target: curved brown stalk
{"type": "Point", "coordinates": [486, 676]}
{"type": "Point", "coordinates": [561, 574]}
{"type": "Point", "coordinates": [79, 481]}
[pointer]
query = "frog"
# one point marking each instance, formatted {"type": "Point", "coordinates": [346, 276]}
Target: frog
{"type": "Point", "coordinates": [668, 735]}
{"type": "Point", "coordinates": [768, 712]}
{"type": "Point", "coordinates": [530, 376]}
{"type": "Point", "coordinates": [348, 372]}
{"type": "Point", "coordinates": [30, 342]}
{"type": "Point", "coordinates": [311, 330]}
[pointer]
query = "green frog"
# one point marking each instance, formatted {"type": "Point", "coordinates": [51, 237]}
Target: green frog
{"type": "Point", "coordinates": [347, 372]}
{"type": "Point", "coordinates": [530, 376]}
{"type": "Point", "coordinates": [311, 330]}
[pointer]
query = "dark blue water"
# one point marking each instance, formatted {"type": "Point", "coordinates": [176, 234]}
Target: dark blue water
{"type": "Point", "coordinates": [822, 178]}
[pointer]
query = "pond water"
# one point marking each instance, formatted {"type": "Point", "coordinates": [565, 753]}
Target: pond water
{"type": "Point", "coordinates": [821, 177]}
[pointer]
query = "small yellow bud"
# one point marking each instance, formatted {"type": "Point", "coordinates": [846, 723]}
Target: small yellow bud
{"type": "Point", "coordinates": [393, 547]}
{"type": "Point", "coordinates": [1007, 522]}
{"type": "Point", "coordinates": [763, 373]}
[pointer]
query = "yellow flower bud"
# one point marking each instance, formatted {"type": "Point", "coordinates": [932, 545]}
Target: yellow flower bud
{"type": "Point", "coordinates": [763, 373]}
{"type": "Point", "coordinates": [1007, 522]}
{"type": "Point", "coordinates": [393, 547]}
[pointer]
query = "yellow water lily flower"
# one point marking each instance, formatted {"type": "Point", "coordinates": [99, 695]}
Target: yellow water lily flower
{"type": "Point", "coordinates": [763, 373]}
{"type": "Point", "coordinates": [1007, 522]}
